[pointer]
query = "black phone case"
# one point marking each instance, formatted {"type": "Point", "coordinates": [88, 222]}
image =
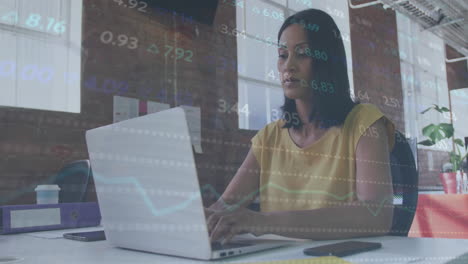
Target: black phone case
{"type": "Point", "coordinates": [83, 236]}
{"type": "Point", "coordinates": [342, 249]}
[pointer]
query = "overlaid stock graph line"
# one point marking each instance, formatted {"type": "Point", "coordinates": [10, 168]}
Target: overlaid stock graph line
{"type": "Point", "coordinates": [207, 187]}
{"type": "Point", "coordinates": [210, 188]}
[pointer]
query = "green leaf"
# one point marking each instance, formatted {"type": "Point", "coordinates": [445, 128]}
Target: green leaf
{"type": "Point", "coordinates": [437, 135]}
{"type": "Point", "coordinates": [455, 159]}
{"type": "Point", "coordinates": [433, 132]}
{"type": "Point", "coordinates": [447, 129]}
{"type": "Point", "coordinates": [427, 142]}
{"type": "Point", "coordinates": [441, 109]}
{"type": "Point", "coordinates": [424, 111]}
{"type": "Point", "coordinates": [429, 129]}
{"type": "Point", "coordinates": [458, 142]}
{"type": "Point", "coordinates": [444, 109]}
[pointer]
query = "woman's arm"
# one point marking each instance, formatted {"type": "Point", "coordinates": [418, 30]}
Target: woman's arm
{"type": "Point", "coordinates": [243, 188]}
{"type": "Point", "coordinates": [371, 215]}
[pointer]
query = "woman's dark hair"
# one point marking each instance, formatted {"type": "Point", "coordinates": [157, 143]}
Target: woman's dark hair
{"type": "Point", "coordinates": [330, 106]}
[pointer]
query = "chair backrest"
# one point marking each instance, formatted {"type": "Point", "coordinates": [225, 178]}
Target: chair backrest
{"type": "Point", "coordinates": [405, 185]}
{"type": "Point", "coordinates": [73, 181]}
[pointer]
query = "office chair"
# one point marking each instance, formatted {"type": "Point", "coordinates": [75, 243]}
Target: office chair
{"type": "Point", "coordinates": [405, 185]}
{"type": "Point", "coordinates": [73, 181]}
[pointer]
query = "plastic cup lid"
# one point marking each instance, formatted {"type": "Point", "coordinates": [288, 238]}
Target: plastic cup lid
{"type": "Point", "coordinates": [47, 187]}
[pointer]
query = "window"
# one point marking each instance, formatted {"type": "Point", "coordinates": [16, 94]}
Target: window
{"type": "Point", "coordinates": [424, 78]}
{"type": "Point", "coordinates": [459, 101]}
{"type": "Point", "coordinates": [258, 22]}
{"type": "Point", "coordinates": [41, 55]}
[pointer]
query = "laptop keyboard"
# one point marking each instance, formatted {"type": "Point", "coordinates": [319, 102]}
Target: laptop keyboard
{"type": "Point", "coordinates": [218, 246]}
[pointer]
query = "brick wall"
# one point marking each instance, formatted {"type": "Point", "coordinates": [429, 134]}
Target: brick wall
{"type": "Point", "coordinates": [376, 66]}
{"type": "Point", "coordinates": [430, 165]}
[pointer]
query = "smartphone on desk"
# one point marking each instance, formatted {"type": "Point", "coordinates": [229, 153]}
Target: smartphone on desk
{"type": "Point", "coordinates": [342, 249]}
{"type": "Point", "coordinates": [86, 236]}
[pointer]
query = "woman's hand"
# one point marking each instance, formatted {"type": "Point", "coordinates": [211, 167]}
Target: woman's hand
{"type": "Point", "coordinates": [209, 212]}
{"type": "Point", "coordinates": [227, 224]}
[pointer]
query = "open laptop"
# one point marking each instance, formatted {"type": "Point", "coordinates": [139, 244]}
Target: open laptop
{"type": "Point", "coordinates": [148, 191]}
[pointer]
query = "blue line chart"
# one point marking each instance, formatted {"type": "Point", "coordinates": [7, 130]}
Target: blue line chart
{"type": "Point", "coordinates": [206, 188]}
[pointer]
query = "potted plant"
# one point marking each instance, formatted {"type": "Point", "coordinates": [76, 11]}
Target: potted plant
{"type": "Point", "coordinates": [435, 133]}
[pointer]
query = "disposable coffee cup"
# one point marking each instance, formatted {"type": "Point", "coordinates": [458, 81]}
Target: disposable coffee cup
{"type": "Point", "coordinates": [47, 194]}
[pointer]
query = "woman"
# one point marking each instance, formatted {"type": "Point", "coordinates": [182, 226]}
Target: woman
{"type": "Point", "coordinates": [322, 172]}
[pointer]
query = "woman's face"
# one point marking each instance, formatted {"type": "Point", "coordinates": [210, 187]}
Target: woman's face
{"type": "Point", "coordinates": [294, 65]}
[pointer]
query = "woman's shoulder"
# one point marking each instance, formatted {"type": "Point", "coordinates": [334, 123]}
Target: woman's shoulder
{"type": "Point", "coordinates": [363, 116]}
{"type": "Point", "coordinates": [278, 124]}
{"type": "Point", "coordinates": [272, 129]}
{"type": "Point", "coordinates": [363, 111]}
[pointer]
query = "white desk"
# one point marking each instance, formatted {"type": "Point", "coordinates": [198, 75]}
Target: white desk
{"type": "Point", "coordinates": [394, 250]}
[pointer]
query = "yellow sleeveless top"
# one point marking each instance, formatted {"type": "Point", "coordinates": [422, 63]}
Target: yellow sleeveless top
{"type": "Point", "coordinates": [320, 175]}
